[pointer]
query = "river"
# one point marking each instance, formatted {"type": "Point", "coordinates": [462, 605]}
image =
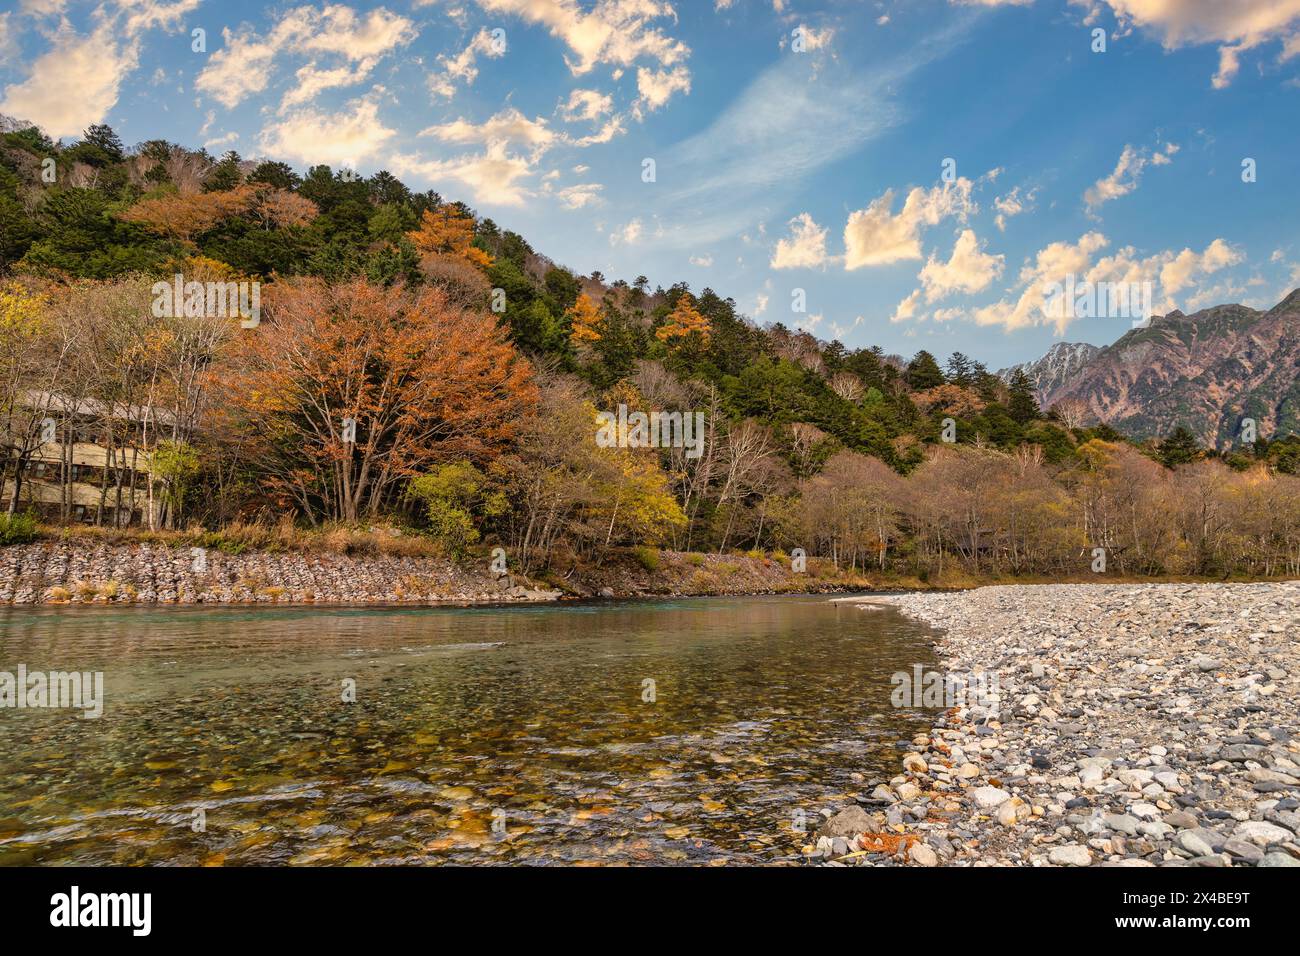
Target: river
{"type": "Point", "coordinates": [686, 731]}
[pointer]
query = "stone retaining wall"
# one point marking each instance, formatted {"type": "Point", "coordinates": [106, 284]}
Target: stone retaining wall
{"type": "Point", "coordinates": [57, 572]}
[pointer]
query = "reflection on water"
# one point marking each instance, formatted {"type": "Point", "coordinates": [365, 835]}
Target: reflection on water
{"type": "Point", "coordinates": [225, 738]}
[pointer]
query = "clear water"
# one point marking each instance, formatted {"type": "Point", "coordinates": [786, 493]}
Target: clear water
{"type": "Point", "coordinates": [478, 735]}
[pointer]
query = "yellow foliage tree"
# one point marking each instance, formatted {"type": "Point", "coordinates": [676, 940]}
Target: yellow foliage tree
{"type": "Point", "coordinates": [585, 321]}
{"type": "Point", "coordinates": [684, 325]}
{"type": "Point", "coordinates": [20, 309]}
{"type": "Point", "coordinates": [447, 231]}
{"type": "Point", "coordinates": [635, 502]}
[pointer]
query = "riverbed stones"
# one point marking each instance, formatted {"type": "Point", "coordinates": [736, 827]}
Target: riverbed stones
{"type": "Point", "coordinates": [989, 798]}
{"type": "Point", "coordinates": [1190, 841]}
{"type": "Point", "coordinates": [1012, 811]}
{"type": "Point", "coordinates": [1261, 833]}
{"type": "Point", "coordinates": [922, 855]}
{"type": "Point", "coordinates": [849, 822]}
{"type": "Point", "coordinates": [1072, 855]}
{"type": "Point", "coordinates": [907, 791]}
{"type": "Point", "coordinates": [1137, 724]}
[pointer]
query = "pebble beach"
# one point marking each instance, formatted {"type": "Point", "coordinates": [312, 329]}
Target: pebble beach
{"type": "Point", "coordinates": [1134, 725]}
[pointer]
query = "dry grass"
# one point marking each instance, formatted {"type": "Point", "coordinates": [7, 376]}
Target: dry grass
{"type": "Point", "coordinates": [280, 537]}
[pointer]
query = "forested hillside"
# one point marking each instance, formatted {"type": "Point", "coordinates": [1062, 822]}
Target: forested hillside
{"type": "Point", "coordinates": [472, 367]}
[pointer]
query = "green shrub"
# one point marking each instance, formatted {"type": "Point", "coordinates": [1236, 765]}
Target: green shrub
{"type": "Point", "coordinates": [694, 558]}
{"type": "Point", "coordinates": [18, 529]}
{"type": "Point", "coordinates": [649, 558]}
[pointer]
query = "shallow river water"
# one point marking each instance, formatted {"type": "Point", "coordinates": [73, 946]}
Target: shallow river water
{"type": "Point", "coordinates": [675, 731]}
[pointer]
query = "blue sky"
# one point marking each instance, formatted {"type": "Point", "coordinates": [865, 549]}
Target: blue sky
{"type": "Point", "coordinates": [796, 145]}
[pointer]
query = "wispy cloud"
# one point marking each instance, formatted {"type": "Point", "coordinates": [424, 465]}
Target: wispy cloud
{"type": "Point", "coordinates": [799, 115]}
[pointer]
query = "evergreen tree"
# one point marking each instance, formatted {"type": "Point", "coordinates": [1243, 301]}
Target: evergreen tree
{"type": "Point", "coordinates": [961, 371]}
{"type": "Point", "coordinates": [225, 175]}
{"type": "Point", "coordinates": [103, 138]}
{"type": "Point", "coordinates": [1022, 406]}
{"type": "Point", "coordinates": [1179, 448]}
{"type": "Point", "coordinates": [923, 372]}
{"type": "Point", "coordinates": [279, 175]}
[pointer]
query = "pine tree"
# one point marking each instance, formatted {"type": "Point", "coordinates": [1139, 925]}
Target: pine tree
{"type": "Point", "coordinates": [1179, 448]}
{"type": "Point", "coordinates": [1022, 406]}
{"type": "Point", "coordinates": [961, 371]}
{"type": "Point", "coordinates": [106, 139]}
{"type": "Point", "coordinates": [923, 372]}
{"type": "Point", "coordinates": [225, 175]}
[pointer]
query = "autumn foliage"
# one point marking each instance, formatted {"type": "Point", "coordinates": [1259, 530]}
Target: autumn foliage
{"type": "Point", "coordinates": [423, 381]}
{"type": "Point", "coordinates": [584, 321]}
{"type": "Point", "coordinates": [448, 231]}
{"type": "Point", "coordinates": [186, 215]}
{"type": "Point", "coordinates": [684, 324]}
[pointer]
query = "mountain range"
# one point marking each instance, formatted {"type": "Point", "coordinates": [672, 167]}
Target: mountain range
{"type": "Point", "coordinates": [1207, 371]}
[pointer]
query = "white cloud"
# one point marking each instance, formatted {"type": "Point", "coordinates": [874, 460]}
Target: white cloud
{"type": "Point", "coordinates": [969, 269]}
{"type": "Point", "coordinates": [613, 32]}
{"type": "Point", "coordinates": [805, 248]}
{"type": "Point", "coordinates": [347, 138]}
{"type": "Point", "coordinates": [875, 236]}
{"type": "Point", "coordinates": [508, 126]}
{"type": "Point", "coordinates": [612, 127]}
{"type": "Point", "coordinates": [628, 235]}
{"type": "Point", "coordinates": [656, 87]}
{"type": "Point", "coordinates": [141, 15]}
{"type": "Point", "coordinates": [244, 64]}
{"type": "Point", "coordinates": [588, 105]}
{"type": "Point", "coordinates": [1012, 204]}
{"type": "Point", "coordinates": [1236, 25]}
{"type": "Point", "coordinates": [492, 176]}
{"type": "Point", "coordinates": [1171, 272]}
{"type": "Point", "coordinates": [814, 39]}
{"type": "Point", "coordinates": [1126, 175]}
{"type": "Point", "coordinates": [701, 261]}
{"type": "Point", "coordinates": [463, 67]}
{"type": "Point", "coordinates": [312, 81]}
{"type": "Point", "coordinates": [93, 66]}
{"type": "Point", "coordinates": [1179, 273]}
{"type": "Point", "coordinates": [8, 38]}
{"type": "Point", "coordinates": [747, 158]}
{"type": "Point", "coordinates": [907, 308]}
{"type": "Point", "coordinates": [583, 194]}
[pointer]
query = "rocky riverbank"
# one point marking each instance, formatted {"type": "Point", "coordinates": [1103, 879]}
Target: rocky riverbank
{"type": "Point", "coordinates": [90, 572]}
{"type": "Point", "coordinates": [1133, 725]}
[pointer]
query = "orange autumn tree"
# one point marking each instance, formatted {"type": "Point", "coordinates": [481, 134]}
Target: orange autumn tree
{"type": "Point", "coordinates": [448, 231]}
{"type": "Point", "coordinates": [186, 215]}
{"type": "Point", "coordinates": [348, 391]}
{"type": "Point", "coordinates": [684, 325]}
{"type": "Point", "coordinates": [585, 320]}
